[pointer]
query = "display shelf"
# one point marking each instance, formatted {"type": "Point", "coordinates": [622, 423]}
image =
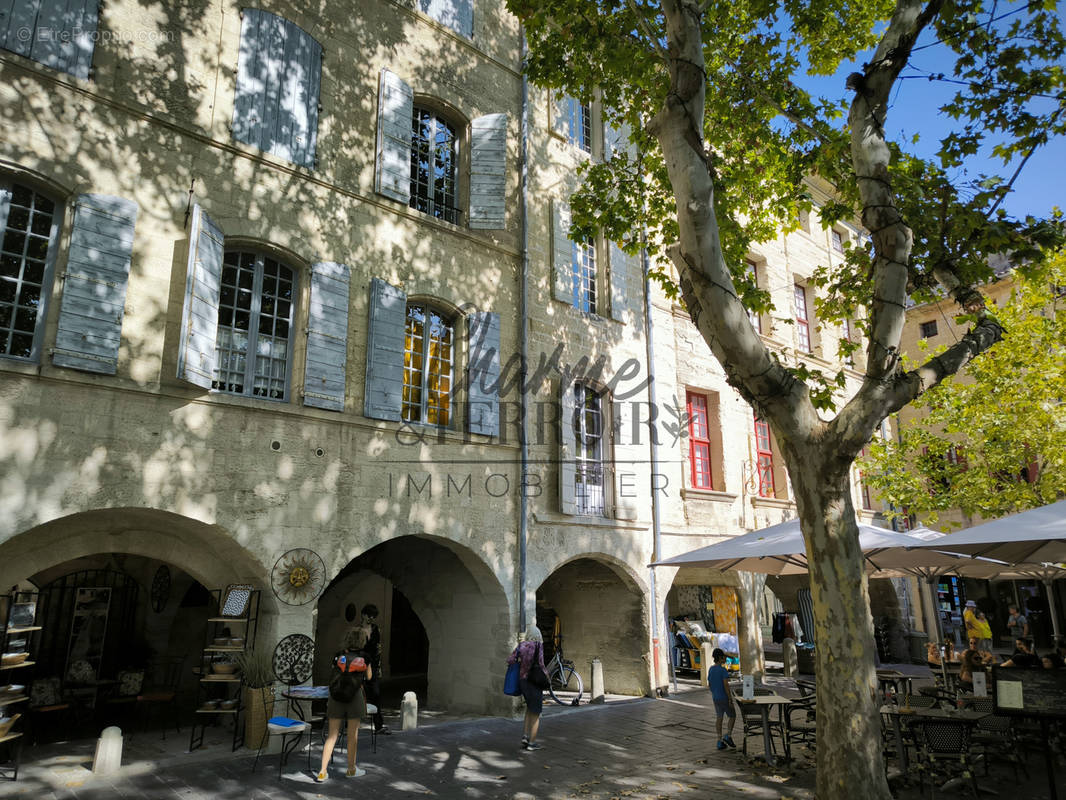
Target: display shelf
{"type": "Point", "coordinates": [217, 710]}
{"type": "Point", "coordinates": [220, 679]}
{"type": "Point", "coordinates": [10, 736]}
{"type": "Point", "coordinates": [27, 629]}
{"type": "Point", "coordinates": [18, 698]}
{"type": "Point", "coordinates": [220, 649]}
{"type": "Point", "coordinates": [229, 619]}
{"type": "Point", "coordinates": [19, 666]}
{"type": "Point", "coordinates": [22, 611]}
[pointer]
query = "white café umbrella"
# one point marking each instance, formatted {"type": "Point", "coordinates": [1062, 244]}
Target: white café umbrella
{"type": "Point", "coordinates": [1032, 542]}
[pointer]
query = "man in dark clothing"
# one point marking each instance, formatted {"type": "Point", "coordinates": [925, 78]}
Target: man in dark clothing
{"type": "Point", "coordinates": [373, 649]}
{"type": "Point", "coordinates": [1023, 655]}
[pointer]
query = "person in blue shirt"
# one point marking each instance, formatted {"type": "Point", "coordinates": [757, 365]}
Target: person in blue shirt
{"type": "Point", "coordinates": [718, 681]}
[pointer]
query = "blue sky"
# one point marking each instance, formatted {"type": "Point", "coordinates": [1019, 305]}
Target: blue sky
{"type": "Point", "coordinates": [914, 110]}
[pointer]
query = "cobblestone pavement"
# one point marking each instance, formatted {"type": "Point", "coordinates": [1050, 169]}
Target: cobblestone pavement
{"type": "Point", "coordinates": [630, 750]}
{"type": "Point", "coordinates": [637, 749]}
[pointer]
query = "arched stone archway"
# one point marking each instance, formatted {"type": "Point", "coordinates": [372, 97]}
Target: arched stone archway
{"type": "Point", "coordinates": [207, 552]}
{"type": "Point", "coordinates": [458, 601]}
{"type": "Point", "coordinates": [602, 609]}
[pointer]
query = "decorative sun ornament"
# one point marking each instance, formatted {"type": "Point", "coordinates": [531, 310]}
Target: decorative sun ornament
{"type": "Point", "coordinates": [298, 577]}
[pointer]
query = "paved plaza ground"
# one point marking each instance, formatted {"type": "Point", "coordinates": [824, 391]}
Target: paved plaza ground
{"type": "Point", "coordinates": [638, 749]}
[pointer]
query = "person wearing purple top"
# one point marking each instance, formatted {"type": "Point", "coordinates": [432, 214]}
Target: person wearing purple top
{"type": "Point", "coordinates": [528, 651]}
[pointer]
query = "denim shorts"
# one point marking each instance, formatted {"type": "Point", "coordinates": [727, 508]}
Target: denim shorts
{"type": "Point", "coordinates": [724, 708]}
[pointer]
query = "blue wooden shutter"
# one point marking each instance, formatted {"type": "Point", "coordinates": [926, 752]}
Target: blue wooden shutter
{"type": "Point", "coordinates": [562, 254]}
{"type": "Point", "coordinates": [619, 267]}
{"type": "Point", "coordinates": [57, 33]}
{"type": "Point", "coordinates": [392, 171]}
{"type": "Point", "coordinates": [94, 285]}
{"type": "Point", "coordinates": [199, 317]}
{"type": "Point", "coordinates": [384, 351]}
{"type": "Point", "coordinates": [456, 14]}
{"type": "Point", "coordinates": [483, 373]}
{"type": "Point", "coordinates": [279, 71]}
{"type": "Point", "coordinates": [488, 164]}
{"type": "Point", "coordinates": [327, 337]}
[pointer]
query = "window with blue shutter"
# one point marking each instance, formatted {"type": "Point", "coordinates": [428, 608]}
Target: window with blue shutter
{"type": "Point", "coordinates": [327, 337]}
{"type": "Point", "coordinates": [29, 223]}
{"type": "Point", "coordinates": [385, 352]}
{"type": "Point", "coordinates": [483, 373]}
{"type": "Point", "coordinates": [279, 70]}
{"type": "Point", "coordinates": [94, 284]}
{"type": "Point", "coordinates": [488, 165]}
{"type": "Point", "coordinates": [57, 33]}
{"type": "Point", "coordinates": [572, 120]}
{"type": "Point", "coordinates": [199, 321]}
{"type": "Point", "coordinates": [456, 14]}
{"type": "Point", "coordinates": [392, 168]}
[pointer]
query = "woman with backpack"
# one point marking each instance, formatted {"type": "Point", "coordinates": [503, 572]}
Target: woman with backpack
{"type": "Point", "coordinates": [347, 698]}
{"type": "Point", "coordinates": [530, 654]}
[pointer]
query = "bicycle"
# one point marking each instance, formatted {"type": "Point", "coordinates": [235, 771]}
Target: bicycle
{"type": "Point", "coordinates": [563, 677]}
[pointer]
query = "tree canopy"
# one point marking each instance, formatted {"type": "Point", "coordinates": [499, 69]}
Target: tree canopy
{"type": "Point", "coordinates": [991, 440]}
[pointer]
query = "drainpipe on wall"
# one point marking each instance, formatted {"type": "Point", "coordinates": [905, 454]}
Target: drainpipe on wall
{"type": "Point", "coordinates": [653, 448]}
{"type": "Point", "coordinates": [523, 320]}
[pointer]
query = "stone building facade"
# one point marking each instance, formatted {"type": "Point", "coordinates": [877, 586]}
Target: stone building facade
{"type": "Point", "coordinates": [266, 276]}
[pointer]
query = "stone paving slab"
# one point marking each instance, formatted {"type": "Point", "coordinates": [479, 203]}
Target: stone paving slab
{"type": "Point", "coordinates": [637, 750]}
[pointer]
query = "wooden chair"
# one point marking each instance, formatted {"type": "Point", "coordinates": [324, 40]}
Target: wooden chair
{"type": "Point", "coordinates": [48, 709]}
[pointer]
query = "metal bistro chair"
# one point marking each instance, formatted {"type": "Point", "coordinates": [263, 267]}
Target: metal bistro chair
{"type": "Point", "coordinates": [283, 727]}
{"type": "Point", "coordinates": [802, 720]}
{"type": "Point", "coordinates": [751, 722]}
{"type": "Point", "coordinates": [995, 736]}
{"type": "Point", "coordinates": [162, 693]}
{"type": "Point", "coordinates": [943, 744]}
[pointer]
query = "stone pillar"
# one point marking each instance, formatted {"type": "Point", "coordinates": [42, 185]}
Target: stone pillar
{"type": "Point", "coordinates": [409, 711]}
{"type": "Point", "coordinates": [788, 656]}
{"type": "Point", "coordinates": [108, 756]}
{"type": "Point", "coordinates": [705, 661]}
{"type": "Point", "coordinates": [597, 694]}
{"type": "Point", "coordinates": [749, 634]}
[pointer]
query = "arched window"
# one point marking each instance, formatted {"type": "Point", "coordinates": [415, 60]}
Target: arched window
{"type": "Point", "coordinates": [27, 240]}
{"type": "Point", "coordinates": [434, 162]}
{"type": "Point", "coordinates": [428, 360]}
{"type": "Point", "coordinates": [252, 349]}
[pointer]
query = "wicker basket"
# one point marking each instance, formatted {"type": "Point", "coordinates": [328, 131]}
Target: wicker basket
{"type": "Point", "coordinates": [255, 717]}
{"type": "Point", "coordinates": [13, 659]}
{"type": "Point", "coordinates": [6, 723]}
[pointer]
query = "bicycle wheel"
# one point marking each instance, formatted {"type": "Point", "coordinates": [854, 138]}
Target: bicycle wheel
{"type": "Point", "coordinates": [565, 679]}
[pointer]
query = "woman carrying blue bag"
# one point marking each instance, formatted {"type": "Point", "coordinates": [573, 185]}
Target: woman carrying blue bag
{"type": "Point", "coordinates": [528, 657]}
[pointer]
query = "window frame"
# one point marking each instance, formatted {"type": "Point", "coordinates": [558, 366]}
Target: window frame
{"type": "Point", "coordinates": [753, 316]}
{"type": "Point", "coordinates": [764, 458]}
{"type": "Point", "coordinates": [584, 275]}
{"type": "Point", "coordinates": [585, 504]}
{"type": "Point", "coordinates": [450, 321]}
{"type": "Point", "coordinates": [47, 284]}
{"type": "Point", "coordinates": [452, 214]}
{"type": "Point", "coordinates": [578, 124]}
{"type": "Point", "coordinates": [697, 407]}
{"type": "Point", "coordinates": [251, 353]}
{"type": "Point", "coordinates": [836, 240]}
{"type": "Point", "coordinates": [802, 317]}
{"type": "Point", "coordinates": [924, 330]}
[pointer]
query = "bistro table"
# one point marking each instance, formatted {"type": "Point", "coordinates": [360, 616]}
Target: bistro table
{"type": "Point", "coordinates": [899, 682]}
{"type": "Point", "coordinates": [765, 703]}
{"type": "Point", "coordinates": [962, 715]}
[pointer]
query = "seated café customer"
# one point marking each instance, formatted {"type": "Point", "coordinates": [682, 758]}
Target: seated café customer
{"type": "Point", "coordinates": [1053, 661]}
{"type": "Point", "coordinates": [1023, 655]}
{"type": "Point", "coordinates": [973, 660]}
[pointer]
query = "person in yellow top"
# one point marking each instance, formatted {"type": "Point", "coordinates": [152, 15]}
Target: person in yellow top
{"type": "Point", "coordinates": [977, 626]}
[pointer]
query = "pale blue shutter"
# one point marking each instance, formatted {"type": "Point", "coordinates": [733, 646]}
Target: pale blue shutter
{"type": "Point", "coordinates": [561, 109]}
{"type": "Point", "coordinates": [94, 286]}
{"type": "Point", "coordinates": [65, 33]}
{"type": "Point", "coordinates": [57, 33]}
{"type": "Point", "coordinates": [567, 450]}
{"type": "Point", "coordinates": [279, 70]}
{"type": "Point", "coordinates": [619, 267]}
{"type": "Point", "coordinates": [456, 14]}
{"type": "Point", "coordinates": [488, 163]}
{"type": "Point", "coordinates": [199, 317]}
{"type": "Point", "coordinates": [392, 170]}
{"type": "Point", "coordinates": [483, 373]}
{"type": "Point", "coordinates": [384, 351]}
{"type": "Point", "coordinates": [327, 337]}
{"type": "Point", "coordinates": [562, 254]}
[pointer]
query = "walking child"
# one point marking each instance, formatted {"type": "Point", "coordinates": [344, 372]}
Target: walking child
{"type": "Point", "coordinates": [718, 680]}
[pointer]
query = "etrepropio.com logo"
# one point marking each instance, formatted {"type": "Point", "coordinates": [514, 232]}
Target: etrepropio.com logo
{"type": "Point", "coordinates": [84, 36]}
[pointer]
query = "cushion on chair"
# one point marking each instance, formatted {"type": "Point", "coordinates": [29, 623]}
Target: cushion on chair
{"type": "Point", "coordinates": [285, 722]}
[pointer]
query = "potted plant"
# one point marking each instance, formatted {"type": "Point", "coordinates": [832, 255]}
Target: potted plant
{"type": "Point", "coordinates": [258, 676]}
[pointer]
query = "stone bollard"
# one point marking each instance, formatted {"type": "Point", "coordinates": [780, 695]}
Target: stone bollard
{"type": "Point", "coordinates": [705, 661]}
{"type": "Point", "coordinates": [788, 656]}
{"type": "Point", "coordinates": [108, 756]}
{"type": "Point", "coordinates": [597, 693]}
{"type": "Point", "coordinates": [409, 712]}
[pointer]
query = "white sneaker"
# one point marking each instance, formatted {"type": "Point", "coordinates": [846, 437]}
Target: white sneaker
{"type": "Point", "coordinates": [358, 772]}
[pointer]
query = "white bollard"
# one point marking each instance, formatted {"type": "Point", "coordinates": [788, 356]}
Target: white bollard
{"type": "Point", "coordinates": [788, 657]}
{"type": "Point", "coordinates": [108, 756]}
{"type": "Point", "coordinates": [409, 712]}
{"type": "Point", "coordinates": [705, 661]}
{"type": "Point", "coordinates": [597, 693]}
